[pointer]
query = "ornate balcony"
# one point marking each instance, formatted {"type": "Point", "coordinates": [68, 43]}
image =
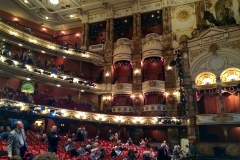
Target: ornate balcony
{"type": "Point", "coordinates": [224, 118]}
{"type": "Point", "coordinates": [122, 88]}
{"type": "Point", "coordinates": [123, 50]}
{"type": "Point", "coordinates": [13, 36]}
{"type": "Point", "coordinates": [152, 46]}
{"type": "Point", "coordinates": [153, 86]}
{"type": "Point", "coordinates": [79, 115]}
{"type": "Point", "coordinates": [39, 77]}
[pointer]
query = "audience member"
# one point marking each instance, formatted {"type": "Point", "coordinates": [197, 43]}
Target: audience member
{"type": "Point", "coordinates": [81, 150]}
{"type": "Point", "coordinates": [113, 153]}
{"type": "Point", "coordinates": [162, 152]}
{"type": "Point", "coordinates": [131, 155]}
{"type": "Point", "coordinates": [53, 139]}
{"type": "Point", "coordinates": [70, 148]}
{"type": "Point", "coordinates": [4, 135]}
{"type": "Point", "coordinates": [44, 138]}
{"type": "Point", "coordinates": [17, 144]}
{"type": "Point", "coordinates": [85, 134]}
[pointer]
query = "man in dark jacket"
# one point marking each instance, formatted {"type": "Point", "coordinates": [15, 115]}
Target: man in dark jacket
{"type": "Point", "coordinates": [162, 152]}
{"type": "Point", "coordinates": [53, 139]}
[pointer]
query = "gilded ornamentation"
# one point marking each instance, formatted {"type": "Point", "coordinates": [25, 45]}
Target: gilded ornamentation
{"type": "Point", "coordinates": [223, 118]}
{"type": "Point", "coordinates": [213, 48]}
{"type": "Point", "coordinates": [119, 86]}
{"type": "Point", "coordinates": [137, 101]}
{"type": "Point", "coordinates": [171, 99]}
{"type": "Point", "coordinates": [152, 83]}
{"type": "Point", "coordinates": [183, 15]}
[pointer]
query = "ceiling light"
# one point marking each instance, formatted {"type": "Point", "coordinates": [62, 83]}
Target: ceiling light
{"type": "Point", "coordinates": [46, 17]}
{"type": "Point", "coordinates": [58, 85]}
{"type": "Point", "coordinates": [71, 15]}
{"type": "Point", "coordinates": [82, 90]}
{"type": "Point", "coordinates": [20, 44]}
{"type": "Point", "coordinates": [54, 1]}
{"type": "Point", "coordinates": [64, 57]}
{"type": "Point", "coordinates": [26, 1]}
{"type": "Point", "coordinates": [43, 51]}
{"type": "Point", "coordinates": [29, 79]}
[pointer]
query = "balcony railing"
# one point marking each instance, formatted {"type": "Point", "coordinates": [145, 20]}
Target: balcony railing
{"type": "Point", "coordinates": [80, 115]}
{"type": "Point", "coordinates": [14, 68]}
{"type": "Point", "coordinates": [15, 35]}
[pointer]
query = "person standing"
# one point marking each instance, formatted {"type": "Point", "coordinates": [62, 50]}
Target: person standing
{"type": "Point", "coordinates": [79, 135]}
{"type": "Point", "coordinates": [85, 134]}
{"type": "Point", "coordinates": [17, 144]}
{"type": "Point", "coordinates": [110, 135]}
{"type": "Point", "coordinates": [162, 152]}
{"type": "Point", "coordinates": [53, 138]}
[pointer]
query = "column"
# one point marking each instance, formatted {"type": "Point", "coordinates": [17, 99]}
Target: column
{"type": "Point", "coordinates": [111, 35]}
{"type": "Point", "coordinates": [219, 87]}
{"type": "Point", "coordinates": [134, 25]}
{"type": "Point", "coordinates": [136, 67]}
{"type": "Point", "coordinates": [86, 41]}
{"type": "Point", "coordinates": [83, 35]}
{"type": "Point", "coordinates": [107, 29]}
{"type": "Point", "coordinates": [139, 28]}
{"type": "Point", "coordinates": [187, 83]}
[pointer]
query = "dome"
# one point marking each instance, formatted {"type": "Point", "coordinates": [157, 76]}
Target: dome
{"type": "Point", "coordinates": [152, 42]}
{"type": "Point", "coordinates": [123, 47]}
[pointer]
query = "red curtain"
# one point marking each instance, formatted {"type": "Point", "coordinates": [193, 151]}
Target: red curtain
{"type": "Point", "coordinates": [211, 104]}
{"type": "Point", "coordinates": [153, 71]}
{"type": "Point", "coordinates": [122, 74]}
{"type": "Point", "coordinates": [233, 134]}
{"type": "Point", "coordinates": [122, 101]}
{"type": "Point", "coordinates": [231, 102]}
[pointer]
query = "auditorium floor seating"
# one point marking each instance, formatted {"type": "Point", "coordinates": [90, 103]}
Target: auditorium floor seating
{"type": "Point", "coordinates": [36, 147]}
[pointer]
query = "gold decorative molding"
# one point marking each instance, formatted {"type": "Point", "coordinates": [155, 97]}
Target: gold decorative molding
{"type": "Point", "coordinates": [119, 86]}
{"type": "Point", "coordinates": [223, 118]}
{"type": "Point", "coordinates": [152, 83]}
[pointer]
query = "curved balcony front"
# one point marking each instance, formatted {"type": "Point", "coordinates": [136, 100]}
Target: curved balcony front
{"type": "Point", "coordinates": [15, 36]}
{"type": "Point", "coordinates": [123, 51]}
{"type": "Point", "coordinates": [80, 115]}
{"type": "Point", "coordinates": [154, 107]}
{"type": "Point", "coordinates": [153, 86]}
{"type": "Point", "coordinates": [46, 78]}
{"type": "Point", "coordinates": [152, 46]}
{"type": "Point", "coordinates": [121, 88]}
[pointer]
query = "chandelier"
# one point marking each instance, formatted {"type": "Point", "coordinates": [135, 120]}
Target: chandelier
{"type": "Point", "coordinates": [54, 2]}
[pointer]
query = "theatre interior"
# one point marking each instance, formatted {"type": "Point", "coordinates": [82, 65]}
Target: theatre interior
{"type": "Point", "coordinates": [165, 70]}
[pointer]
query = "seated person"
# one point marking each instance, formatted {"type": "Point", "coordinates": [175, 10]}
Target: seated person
{"type": "Point", "coordinates": [129, 142]}
{"type": "Point", "coordinates": [81, 151]}
{"type": "Point", "coordinates": [43, 138]}
{"type": "Point", "coordinates": [94, 155]}
{"type": "Point", "coordinates": [142, 143]}
{"type": "Point", "coordinates": [122, 147]}
{"type": "Point", "coordinates": [4, 135]}
{"type": "Point", "coordinates": [70, 148]}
